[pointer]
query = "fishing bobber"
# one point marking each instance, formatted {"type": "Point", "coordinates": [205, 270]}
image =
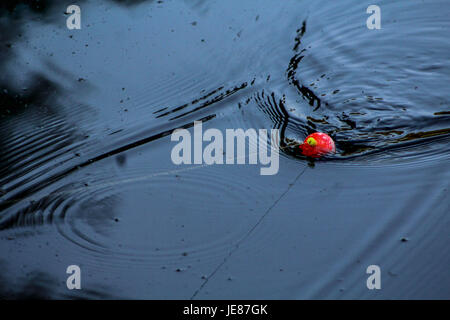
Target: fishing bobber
{"type": "Point", "coordinates": [317, 144]}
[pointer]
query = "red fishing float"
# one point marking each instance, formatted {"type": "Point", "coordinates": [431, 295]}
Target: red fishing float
{"type": "Point", "coordinates": [317, 144]}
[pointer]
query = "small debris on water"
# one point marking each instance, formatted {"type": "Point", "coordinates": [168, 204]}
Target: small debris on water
{"type": "Point", "coordinates": [121, 159]}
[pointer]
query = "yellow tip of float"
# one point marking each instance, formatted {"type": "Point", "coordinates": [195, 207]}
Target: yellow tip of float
{"type": "Point", "coordinates": [312, 142]}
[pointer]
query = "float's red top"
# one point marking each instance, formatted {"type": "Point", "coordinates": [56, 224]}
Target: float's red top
{"type": "Point", "coordinates": [317, 144]}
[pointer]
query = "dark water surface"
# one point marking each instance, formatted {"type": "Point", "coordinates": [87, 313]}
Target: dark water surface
{"type": "Point", "coordinates": [86, 176]}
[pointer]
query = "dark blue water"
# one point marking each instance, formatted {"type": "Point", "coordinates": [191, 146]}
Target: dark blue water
{"type": "Point", "coordinates": [86, 176]}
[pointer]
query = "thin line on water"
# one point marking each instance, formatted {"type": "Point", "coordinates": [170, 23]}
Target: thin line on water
{"type": "Point", "coordinates": [247, 234]}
